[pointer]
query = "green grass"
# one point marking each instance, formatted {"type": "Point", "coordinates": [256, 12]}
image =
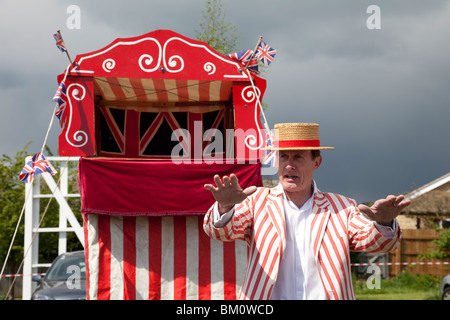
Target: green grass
{"type": "Point", "coordinates": [405, 286]}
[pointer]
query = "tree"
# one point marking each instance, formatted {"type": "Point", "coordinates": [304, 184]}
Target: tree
{"type": "Point", "coordinates": [221, 36]}
{"type": "Point", "coordinates": [442, 245]}
{"type": "Point", "coordinates": [11, 202]}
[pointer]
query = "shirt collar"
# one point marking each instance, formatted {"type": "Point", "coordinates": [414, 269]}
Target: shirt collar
{"type": "Point", "coordinates": [279, 190]}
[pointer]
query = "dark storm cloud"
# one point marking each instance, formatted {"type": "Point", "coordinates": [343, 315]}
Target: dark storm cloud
{"type": "Point", "coordinates": [380, 96]}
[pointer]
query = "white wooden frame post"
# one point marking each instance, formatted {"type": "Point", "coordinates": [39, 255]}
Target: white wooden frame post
{"type": "Point", "coordinates": [32, 217]}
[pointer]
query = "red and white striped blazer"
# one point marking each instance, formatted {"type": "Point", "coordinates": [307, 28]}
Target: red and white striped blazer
{"type": "Point", "coordinates": [337, 227]}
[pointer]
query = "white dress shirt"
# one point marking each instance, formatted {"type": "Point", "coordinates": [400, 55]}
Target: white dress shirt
{"type": "Point", "coordinates": [298, 276]}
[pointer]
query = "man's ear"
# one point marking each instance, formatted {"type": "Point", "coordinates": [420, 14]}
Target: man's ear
{"type": "Point", "coordinates": [317, 162]}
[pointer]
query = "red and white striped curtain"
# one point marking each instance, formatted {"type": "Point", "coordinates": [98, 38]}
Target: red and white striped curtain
{"type": "Point", "coordinates": [159, 258]}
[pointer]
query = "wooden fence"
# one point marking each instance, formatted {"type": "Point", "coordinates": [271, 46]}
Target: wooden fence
{"type": "Point", "coordinates": [415, 242]}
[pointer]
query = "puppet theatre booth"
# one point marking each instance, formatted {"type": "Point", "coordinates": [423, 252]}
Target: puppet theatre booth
{"type": "Point", "coordinates": [150, 118]}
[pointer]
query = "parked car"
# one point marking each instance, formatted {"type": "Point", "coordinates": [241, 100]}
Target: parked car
{"type": "Point", "coordinates": [445, 287]}
{"type": "Point", "coordinates": [64, 280]}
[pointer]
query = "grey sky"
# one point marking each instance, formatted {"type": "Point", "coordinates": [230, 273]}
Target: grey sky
{"type": "Point", "coordinates": [381, 97]}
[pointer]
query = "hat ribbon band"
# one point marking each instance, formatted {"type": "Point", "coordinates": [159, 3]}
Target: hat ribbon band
{"type": "Point", "coordinates": [296, 143]}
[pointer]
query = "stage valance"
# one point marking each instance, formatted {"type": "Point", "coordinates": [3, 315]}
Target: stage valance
{"type": "Point", "coordinates": [154, 188]}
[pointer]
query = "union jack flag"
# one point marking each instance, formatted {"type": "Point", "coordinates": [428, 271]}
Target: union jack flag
{"type": "Point", "coordinates": [59, 42]}
{"type": "Point", "coordinates": [265, 53]}
{"type": "Point", "coordinates": [270, 156]}
{"type": "Point", "coordinates": [61, 98]}
{"type": "Point", "coordinates": [244, 57]}
{"type": "Point", "coordinates": [35, 166]}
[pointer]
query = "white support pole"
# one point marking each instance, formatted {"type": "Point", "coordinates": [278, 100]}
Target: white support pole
{"type": "Point", "coordinates": [63, 186]}
{"type": "Point", "coordinates": [31, 245]}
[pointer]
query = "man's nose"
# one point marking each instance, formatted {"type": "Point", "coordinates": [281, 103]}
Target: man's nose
{"type": "Point", "coordinates": [290, 164]}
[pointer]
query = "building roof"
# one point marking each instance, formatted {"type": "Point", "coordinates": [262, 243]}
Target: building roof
{"type": "Point", "coordinates": [431, 199]}
{"type": "Point", "coordinates": [429, 187]}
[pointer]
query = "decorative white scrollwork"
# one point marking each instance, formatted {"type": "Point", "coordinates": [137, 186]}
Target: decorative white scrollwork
{"type": "Point", "coordinates": [108, 65]}
{"type": "Point", "coordinates": [250, 142]}
{"type": "Point", "coordinates": [250, 94]}
{"type": "Point", "coordinates": [158, 58]}
{"type": "Point", "coordinates": [210, 68]}
{"type": "Point", "coordinates": [173, 62]}
{"type": "Point", "coordinates": [80, 137]}
{"type": "Point", "coordinates": [76, 92]}
{"type": "Point", "coordinates": [146, 60]}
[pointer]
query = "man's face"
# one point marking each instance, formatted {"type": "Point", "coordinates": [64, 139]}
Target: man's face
{"type": "Point", "coordinates": [296, 169]}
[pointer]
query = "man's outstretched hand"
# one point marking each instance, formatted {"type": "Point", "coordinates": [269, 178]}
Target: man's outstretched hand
{"type": "Point", "coordinates": [229, 192]}
{"type": "Point", "coordinates": [384, 211]}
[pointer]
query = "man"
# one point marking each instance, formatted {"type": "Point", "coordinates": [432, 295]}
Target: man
{"type": "Point", "coordinates": [299, 238]}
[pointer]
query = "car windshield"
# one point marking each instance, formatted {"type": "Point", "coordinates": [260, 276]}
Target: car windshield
{"type": "Point", "coordinates": [66, 267]}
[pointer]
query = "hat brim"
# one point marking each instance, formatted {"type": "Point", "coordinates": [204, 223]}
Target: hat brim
{"type": "Point", "coordinates": [299, 148]}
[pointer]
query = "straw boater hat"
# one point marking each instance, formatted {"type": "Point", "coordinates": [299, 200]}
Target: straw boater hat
{"type": "Point", "coordinates": [297, 136]}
